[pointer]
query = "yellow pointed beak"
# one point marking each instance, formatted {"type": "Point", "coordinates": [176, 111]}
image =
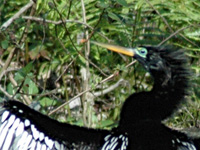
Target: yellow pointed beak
{"type": "Point", "coordinates": [115, 48]}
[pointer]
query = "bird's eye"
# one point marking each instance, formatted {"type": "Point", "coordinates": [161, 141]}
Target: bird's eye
{"type": "Point", "coordinates": [142, 52]}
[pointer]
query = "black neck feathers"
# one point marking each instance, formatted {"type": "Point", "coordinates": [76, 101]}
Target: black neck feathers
{"type": "Point", "coordinates": [168, 67]}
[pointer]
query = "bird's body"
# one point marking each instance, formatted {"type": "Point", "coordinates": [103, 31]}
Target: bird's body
{"type": "Point", "coordinates": [150, 135]}
{"type": "Point", "coordinates": [140, 126]}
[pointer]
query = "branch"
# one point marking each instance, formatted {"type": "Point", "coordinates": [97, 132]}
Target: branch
{"type": "Point", "coordinates": [109, 89]}
{"type": "Point", "coordinates": [55, 22]}
{"type": "Point", "coordinates": [172, 35]}
{"type": "Point", "coordinates": [60, 22]}
{"type": "Point", "coordinates": [7, 63]}
{"type": "Point", "coordinates": [4, 92]}
{"type": "Point", "coordinates": [80, 94]}
{"type": "Point", "coordinates": [21, 11]}
{"type": "Point", "coordinates": [86, 75]}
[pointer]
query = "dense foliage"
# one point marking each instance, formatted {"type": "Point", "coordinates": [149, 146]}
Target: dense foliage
{"type": "Point", "coordinates": [43, 63]}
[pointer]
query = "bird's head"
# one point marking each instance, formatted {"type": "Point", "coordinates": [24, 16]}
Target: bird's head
{"type": "Point", "coordinates": [164, 64]}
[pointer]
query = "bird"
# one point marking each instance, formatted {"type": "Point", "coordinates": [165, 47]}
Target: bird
{"type": "Point", "coordinates": [140, 126]}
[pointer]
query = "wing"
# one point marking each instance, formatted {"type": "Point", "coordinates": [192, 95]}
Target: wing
{"type": "Point", "coordinates": [181, 141]}
{"type": "Point", "coordinates": [18, 132]}
{"type": "Point", "coordinates": [22, 128]}
{"type": "Point", "coordinates": [115, 141]}
{"type": "Point", "coordinates": [183, 145]}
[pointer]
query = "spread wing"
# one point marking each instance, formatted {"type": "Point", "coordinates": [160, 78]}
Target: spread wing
{"type": "Point", "coordinates": [22, 128]}
{"type": "Point", "coordinates": [17, 131]}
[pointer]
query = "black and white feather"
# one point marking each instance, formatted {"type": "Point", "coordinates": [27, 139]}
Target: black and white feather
{"type": "Point", "coordinates": [21, 134]}
{"type": "Point", "coordinates": [183, 145]}
{"type": "Point", "coordinates": [115, 142]}
{"type": "Point", "coordinates": [22, 128]}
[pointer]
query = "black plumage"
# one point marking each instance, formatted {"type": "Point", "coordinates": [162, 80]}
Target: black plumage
{"type": "Point", "coordinates": [170, 73]}
{"type": "Point", "coordinates": [140, 126]}
{"type": "Point", "coordinates": [143, 112]}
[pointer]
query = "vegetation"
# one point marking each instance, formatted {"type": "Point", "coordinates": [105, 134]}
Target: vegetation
{"type": "Point", "coordinates": [43, 63]}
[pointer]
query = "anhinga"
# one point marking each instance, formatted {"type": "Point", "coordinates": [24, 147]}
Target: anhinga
{"type": "Point", "coordinates": [140, 126]}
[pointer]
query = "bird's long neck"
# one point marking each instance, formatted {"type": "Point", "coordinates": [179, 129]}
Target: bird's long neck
{"type": "Point", "coordinates": [175, 82]}
{"type": "Point", "coordinates": [170, 88]}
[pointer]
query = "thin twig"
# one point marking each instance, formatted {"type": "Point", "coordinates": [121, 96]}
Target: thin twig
{"type": "Point", "coordinates": [55, 22]}
{"type": "Point", "coordinates": [131, 63]}
{"type": "Point", "coordinates": [54, 91]}
{"type": "Point", "coordinates": [12, 80]}
{"type": "Point", "coordinates": [66, 69]}
{"type": "Point", "coordinates": [7, 70]}
{"type": "Point", "coordinates": [66, 103]}
{"type": "Point", "coordinates": [4, 92]}
{"type": "Point", "coordinates": [173, 34]}
{"type": "Point", "coordinates": [21, 11]}
{"type": "Point", "coordinates": [80, 94]}
{"type": "Point", "coordinates": [66, 21]}
{"type": "Point", "coordinates": [25, 32]}
{"type": "Point", "coordinates": [109, 89]}
{"type": "Point", "coordinates": [7, 63]}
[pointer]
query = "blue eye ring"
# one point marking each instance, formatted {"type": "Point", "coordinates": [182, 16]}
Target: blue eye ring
{"type": "Point", "coordinates": [141, 51]}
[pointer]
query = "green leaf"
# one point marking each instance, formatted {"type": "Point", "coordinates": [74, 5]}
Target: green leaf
{"type": "Point", "coordinates": [113, 16]}
{"type": "Point", "coordinates": [27, 69]}
{"type": "Point", "coordinates": [122, 2]}
{"type": "Point", "coordinates": [4, 44]}
{"type": "Point", "coordinates": [107, 123]}
{"type": "Point", "coordinates": [47, 102]}
{"type": "Point", "coordinates": [30, 87]}
{"type": "Point", "coordinates": [103, 5]}
{"type": "Point", "coordinates": [10, 89]}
